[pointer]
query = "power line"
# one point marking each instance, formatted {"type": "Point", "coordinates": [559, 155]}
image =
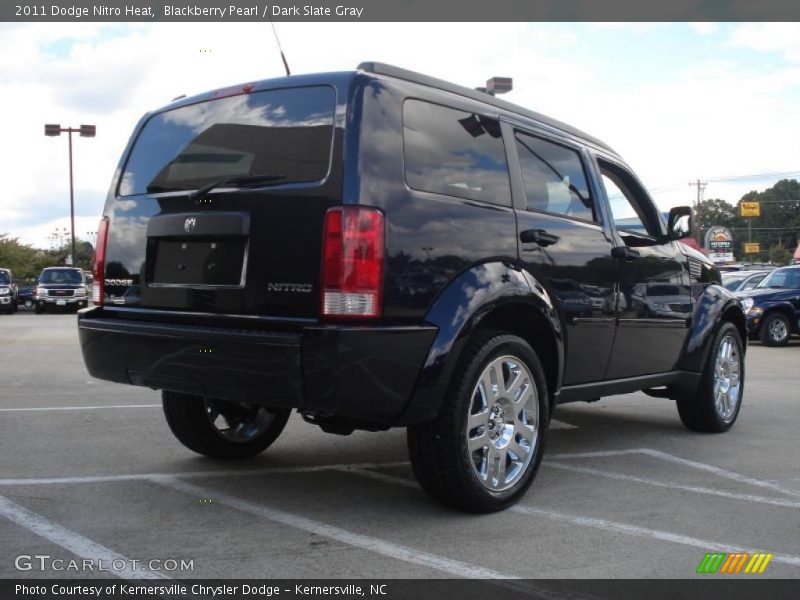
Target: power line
{"type": "Point", "coordinates": [733, 178]}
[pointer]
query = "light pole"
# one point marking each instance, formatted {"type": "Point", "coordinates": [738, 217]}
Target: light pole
{"type": "Point", "coordinates": [51, 130]}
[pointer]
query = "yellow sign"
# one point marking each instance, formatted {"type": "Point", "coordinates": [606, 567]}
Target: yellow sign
{"type": "Point", "coordinates": [750, 209]}
{"type": "Point", "coordinates": [752, 248]}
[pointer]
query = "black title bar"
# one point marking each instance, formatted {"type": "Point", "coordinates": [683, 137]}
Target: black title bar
{"type": "Point", "coordinates": [400, 10]}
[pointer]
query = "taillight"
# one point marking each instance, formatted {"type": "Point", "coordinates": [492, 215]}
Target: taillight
{"type": "Point", "coordinates": [352, 262]}
{"type": "Point", "coordinates": [99, 270]}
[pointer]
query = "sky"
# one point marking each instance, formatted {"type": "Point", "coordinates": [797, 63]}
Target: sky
{"type": "Point", "coordinates": [679, 101]}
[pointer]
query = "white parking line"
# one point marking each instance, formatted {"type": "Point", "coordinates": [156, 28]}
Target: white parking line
{"type": "Point", "coordinates": [682, 461]}
{"type": "Point", "coordinates": [556, 424]}
{"type": "Point", "coordinates": [71, 541]}
{"type": "Point", "coordinates": [624, 528]}
{"type": "Point", "coordinates": [718, 471]}
{"type": "Point", "coordinates": [195, 474]}
{"type": "Point", "coordinates": [49, 408]}
{"type": "Point", "coordinates": [377, 545]}
{"type": "Point", "coordinates": [673, 486]}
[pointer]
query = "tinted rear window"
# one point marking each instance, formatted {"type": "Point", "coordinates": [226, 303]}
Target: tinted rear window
{"type": "Point", "coordinates": [452, 152]}
{"type": "Point", "coordinates": [278, 132]}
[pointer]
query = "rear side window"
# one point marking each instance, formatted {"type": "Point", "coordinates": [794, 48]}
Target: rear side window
{"type": "Point", "coordinates": [278, 132]}
{"type": "Point", "coordinates": [554, 178]}
{"type": "Point", "coordinates": [456, 153]}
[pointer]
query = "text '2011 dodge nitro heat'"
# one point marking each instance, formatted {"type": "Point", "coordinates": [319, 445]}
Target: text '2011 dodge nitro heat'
{"type": "Point", "coordinates": [380, 249]}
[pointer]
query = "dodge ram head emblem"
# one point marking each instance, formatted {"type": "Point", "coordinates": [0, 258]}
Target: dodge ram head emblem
{"type": "Point", "coordinates": [189, 224]}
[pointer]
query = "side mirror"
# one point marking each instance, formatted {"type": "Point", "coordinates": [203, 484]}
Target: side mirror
{"type": "Point", "coordinates": [679, 224]}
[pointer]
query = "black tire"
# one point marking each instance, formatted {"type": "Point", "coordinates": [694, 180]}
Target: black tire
{"type": "Point", "coordinates": [775, 323]}
{"type": "Point", "coordinates": [189, 418]}
{"type": "Point", "coordinates": [39, 309]}
{"type": "Point", "coordinates": [440, 457]}
{"type": "Point", "coordinates": [702, 412]}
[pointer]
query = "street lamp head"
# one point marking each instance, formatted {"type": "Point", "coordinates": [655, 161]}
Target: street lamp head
{"type": "Point", "coordinates": [52, 130]}
{"type": "Point", "coordinates": [88, 130]}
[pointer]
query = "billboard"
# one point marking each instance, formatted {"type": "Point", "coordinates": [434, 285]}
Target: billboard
{"type": "Point", "coordinates": [750, 209]}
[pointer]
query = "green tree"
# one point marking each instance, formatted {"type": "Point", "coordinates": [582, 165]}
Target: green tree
{"type": "Point", "coordinates": [779, 255]}
{"type": "Point", "coordinates": [24, 261]}
{"type": "Point", "coordinates": [779, 223]}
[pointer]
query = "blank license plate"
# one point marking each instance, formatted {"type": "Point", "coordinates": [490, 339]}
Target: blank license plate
{"type": "Point", "coordinates": [199, 262]}
{"type": "Point", "coordinates": [61, 302]}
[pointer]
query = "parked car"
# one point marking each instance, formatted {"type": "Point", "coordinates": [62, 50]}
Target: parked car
{"type": "Point", "coordinates": [740, 281]}
{"type": "Point", "coordinates": [60, 288]}
{"type": "Point", "coordinates": [26, 295]}
{"type": "Point", "coordinates": [253, 253]}
{"type": "Point", "coordinates": [9, 299]}
{"type": "Point", "coordinates": [773, 307]}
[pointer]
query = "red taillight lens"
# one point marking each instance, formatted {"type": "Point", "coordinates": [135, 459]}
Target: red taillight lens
{"type": "Point", "coordinates": [99, 270]}
{"type": "Point", "coordinates": [352, 262]}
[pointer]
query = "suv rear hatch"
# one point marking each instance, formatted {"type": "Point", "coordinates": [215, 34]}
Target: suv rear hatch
{"type": "Point", "coordinates": [251, 242]}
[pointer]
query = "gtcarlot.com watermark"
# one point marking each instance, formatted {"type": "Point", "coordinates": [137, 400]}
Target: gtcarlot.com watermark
{"type": "Point", "coordinates": [46, 562]}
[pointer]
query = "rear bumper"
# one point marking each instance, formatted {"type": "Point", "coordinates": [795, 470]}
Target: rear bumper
{"type": "Point", "coordinates": [366, 374]}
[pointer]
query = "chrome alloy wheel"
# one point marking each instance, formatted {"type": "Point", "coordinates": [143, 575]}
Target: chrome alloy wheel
{"type": "Point", "coordinates": [727, 378]}
{"type": "Point", "coordinates": [778, 330]}
{"type": "Point", "coordinates": [238, 422]}
{"type": "Point", "coordinates": [503, 423]}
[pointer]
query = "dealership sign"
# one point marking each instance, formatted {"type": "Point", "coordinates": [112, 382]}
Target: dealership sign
{"type": "Point", "coordinates": [719, 242]}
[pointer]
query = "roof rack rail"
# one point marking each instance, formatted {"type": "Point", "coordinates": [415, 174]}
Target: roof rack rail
{"type": "Point", "coordinates": [379, 68]}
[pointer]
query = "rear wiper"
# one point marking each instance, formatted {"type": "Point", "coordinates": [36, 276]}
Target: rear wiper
{"type": "Point", "coordinates": [246, 179]}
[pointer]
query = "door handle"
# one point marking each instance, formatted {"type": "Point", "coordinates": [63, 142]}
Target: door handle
{"type": "Point", "coordinates": [538, 236]}
{"type": "Point", "coordinates": [625, 252]}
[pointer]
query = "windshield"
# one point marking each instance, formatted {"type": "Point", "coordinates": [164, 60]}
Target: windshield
{"type": "Point", "coordinates": [287, 132]}
{"type": "Point", "coordinates": [782, 278]}
{"type": "Point", "coordinates": [66, 276]}
{"type": "Point", "coordinates": [4, 278]}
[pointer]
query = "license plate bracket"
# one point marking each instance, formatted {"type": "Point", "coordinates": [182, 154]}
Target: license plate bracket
{"type": "Point", "coordinates": [197, 262]}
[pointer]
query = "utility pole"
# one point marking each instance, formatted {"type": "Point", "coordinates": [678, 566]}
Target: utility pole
{"type": "Point", "coordinates": [52, 130]}
{"type": "Point", "coordinates": [701, 185]}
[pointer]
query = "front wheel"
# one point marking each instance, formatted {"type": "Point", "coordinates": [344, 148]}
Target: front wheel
{"type": "Point", "coordinates": [221, 428]}
{"type": "Point", "coordinates": [716, 405]}
{"type": "Point", "coordinates": [775, 330]}
{"type": "Point", "coordinates": [483, 451]}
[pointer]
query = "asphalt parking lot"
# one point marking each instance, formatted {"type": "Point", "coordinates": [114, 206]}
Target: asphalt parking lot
{"type": "Point", "coordinates": [90, 469]}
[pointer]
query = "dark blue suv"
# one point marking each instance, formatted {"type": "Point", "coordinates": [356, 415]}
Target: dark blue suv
{"type": "Point", "coordinates": [773, 307]}
{"type": "Point", "coordinates": [377, 248]}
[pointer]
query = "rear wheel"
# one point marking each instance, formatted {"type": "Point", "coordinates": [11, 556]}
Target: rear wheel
{"type": "Point", "coordinates": [775, 330]}
{"type": "Point", "coordinates": [715, 406]}
{"type": "Point", "coordinates": [483, 451]}
{"type": "Point", "coordinates": [221, 428]}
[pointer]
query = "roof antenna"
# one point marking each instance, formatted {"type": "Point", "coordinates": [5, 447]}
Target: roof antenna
{"type": "Point", "coordinates": [283, 57]}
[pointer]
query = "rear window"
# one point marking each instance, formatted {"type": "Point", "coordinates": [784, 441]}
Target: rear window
{"type": "Point", "coordinates": [278, 132]}
{"type": "Point", "coordinates": [456, 153]}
